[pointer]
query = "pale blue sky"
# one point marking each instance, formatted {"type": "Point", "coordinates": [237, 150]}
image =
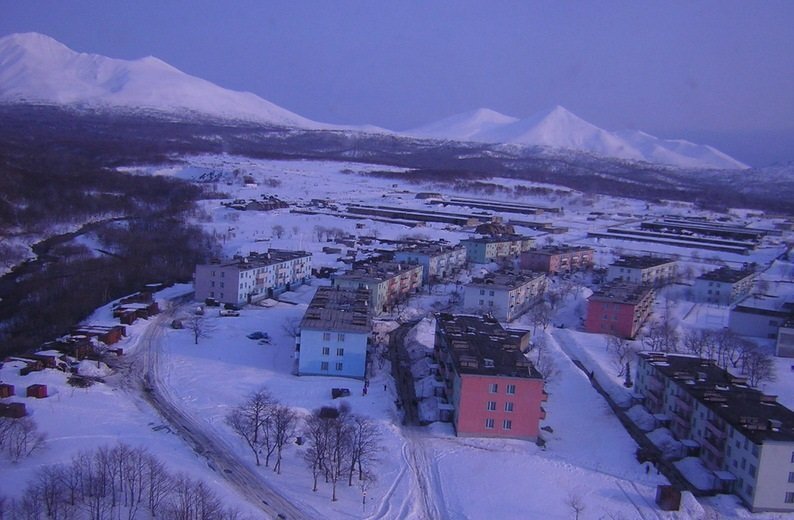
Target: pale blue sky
{"type": "Point", "coordinates": [719, 72]}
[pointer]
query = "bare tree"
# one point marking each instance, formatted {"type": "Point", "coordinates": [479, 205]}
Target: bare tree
{"type": "Point", "coordinates": [365, 446]}
{"type": "Point", "coordinates": [315, 430]}
{"type": "Point", "coordinates": [621, 353]}
{"type": "Point", "coordinates": [701, 343]}
{"type": "Point", "coordinates": [284, 424]}
{"type": "Point", "coordinates": [758, 366]}
{"type": "Point", "coordinates": [576, 504]}
{"type": "Point", "coordinates": [661, 337]}
{"type": "Point", "coordinates": [250, 420]}
{"type": "Point", "coordinates": [278, 231]}
{"type": "Point", "coordinates": [20, 437]}
{"type": "Point", "coordinates": [199, 326]}
{"type": "Point", "coordinates": [540, 316]}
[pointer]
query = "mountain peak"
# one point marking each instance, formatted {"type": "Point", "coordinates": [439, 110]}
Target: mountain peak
{"type": "Point", "coordinates": [35, 67]}
{"type": "Point", "coordinates": [559, 128]}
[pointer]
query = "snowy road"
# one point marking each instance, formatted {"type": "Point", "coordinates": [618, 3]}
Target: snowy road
{"type": "Point", "coordinates": [142, 370]}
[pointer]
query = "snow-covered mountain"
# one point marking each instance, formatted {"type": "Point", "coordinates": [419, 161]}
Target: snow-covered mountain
{"type": "Point", "coordinates": [560, 129]}
{"type": "Point", "coordinates": [37, 68]}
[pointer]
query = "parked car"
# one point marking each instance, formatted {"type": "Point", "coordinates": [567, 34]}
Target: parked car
{"type": "Point", "coordinates": [228, 312]}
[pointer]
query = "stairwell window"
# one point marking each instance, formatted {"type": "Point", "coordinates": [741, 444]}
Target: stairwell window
{"type": "Point", "coordinates": [489, 424]}
{"type": "Point", "coordinates": [508, 406]}
{"type": "Point", "coordinates": [507, 424]}
{"type": "Point", "coordinates": [326, 351]}
{"type": "Point", "coordinates": [491, 406]}
{"type": "Point", "coordinates": [511, 389]}
{"type": "Point", "coordinates": [324, 365]}
{"type": "Point", "coordinates": [494, 388]}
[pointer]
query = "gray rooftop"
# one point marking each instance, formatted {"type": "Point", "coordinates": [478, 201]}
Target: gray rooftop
{"type": "Point", "coordinates": [727, 275]}
{"type": "Point", "coordinates": [641, 262]}
{"type": "Point", "coordinates": [506, 279]}
{"type": "Point", "coordinates": [621, 292]}
{"type": "Point", "coordinates": [757, 416]}
{"type": "Point", "coordinates": [480, 345]}
{"type": "Point", "coordinates": [257, 260]}
{"type": "Point", "coordinates": [335, 309]}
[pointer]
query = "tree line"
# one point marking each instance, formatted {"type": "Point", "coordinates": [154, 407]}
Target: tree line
{"type": "Point", "coordinates": [339, 445]}
{"type": "Point", "coordinates": [118, 482]}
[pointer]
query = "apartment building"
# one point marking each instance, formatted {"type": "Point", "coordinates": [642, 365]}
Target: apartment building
{"type": "Point", "coordinates": [504, 295]}
{"type": "Point", "coordinates": [619, 309]}
{"type": "Point", "coordinates": [494, 389]}
{"type": "Point", "coordinates": [745, 437]}
{"type": "Point", "coordinates": [437, 261]}
{"type": "Point", "coordinates": [760, 316]}
{"type": "Point", "coordinates": [484, 250]}
{"type": "Point", "coordinates": [388, 283]}
{"type": "Point", "coordinates": [647, 270]}
{"type": "Point", "coordinates": [334, 334]}
{"type": "Point", "coordinates": [724, 286]}
{"type": "Point", "coordinates": [557, 259]}
{"type": "Point", "coordinates": [254, 277]}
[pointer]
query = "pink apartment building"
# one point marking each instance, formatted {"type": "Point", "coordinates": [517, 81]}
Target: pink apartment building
{"type": "Point", "coordinates": [619, 309]}
{"type": "Point", "coordinates": [494, 389]}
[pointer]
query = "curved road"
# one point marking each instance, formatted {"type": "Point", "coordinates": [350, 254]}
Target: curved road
{"type": "Point", "coordinates": [141, 372]}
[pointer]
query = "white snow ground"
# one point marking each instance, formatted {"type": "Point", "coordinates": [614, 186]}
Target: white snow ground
{"type": "Point", "coordinates": [587, 455]}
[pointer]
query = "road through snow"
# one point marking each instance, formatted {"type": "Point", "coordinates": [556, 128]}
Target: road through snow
{"type": "Point", "coordinates": [142, 373]}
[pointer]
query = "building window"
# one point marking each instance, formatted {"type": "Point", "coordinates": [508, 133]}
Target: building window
{"type": "Point", "coordinates": [326, 336]}
{"type": "Point", "coordinates": [482, 302]}
{"type": "Point", "coordinates": [340, 352]}
{"type": "Point", "coordinates": [491, 406]}
{"type": "Point", "coordinates": [751, 470]}
{"type": "Point", "coordinates": [489, 424]}
{"type": "Point", "coordinates": [324, 365]}
{"type": "Point", "coordinates": [340, 337]}
{"type": "Point", "coordinates": [482, 292]}
{"type": "Point", "coordinates": [789, 497]}
{"type": "Point", "coordinates": [494, 388]}
{"type": "Point", "coordinates": [791, 476]}
{"type": "Point", "coordinates": [507, 424]}
{"type": "Point", "coordinates": [326, 351]}
{"type": "Point", "coordinates": [792, 457]}
{"type": "Point", "coordinates": [749, 489]}
{"type": "Point", "coordinates": [508, 406]}
{"type": "Point", "coordinates": [339, 367]}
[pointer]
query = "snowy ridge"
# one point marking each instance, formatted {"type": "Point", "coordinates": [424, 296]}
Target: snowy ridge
{"type": "Point", "coordinates": [560, 129]}
{"type": "Point", "coordinates": [37, 68]}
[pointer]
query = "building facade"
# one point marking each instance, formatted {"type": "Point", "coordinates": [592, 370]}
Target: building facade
{"type": "Point", "coordinates": [619, 309]}
{"type": "Point", "coordinates": [334, 334]}
{"type": "Point", "coordinates": [438, 262]}
{"type": "Point", "coordinates": [724, 286]}
{"type": "Point", "coordinates": [492, 249]}
{"type": "Point", "coordinates": [760, 316]}
{"type": "Point", "coordinates": [784, 347]}
{"type": "Point", "coordinates": [388, 283]}
{"type": "Point", "coordinates": [745, 437]}
{"type": "Point", "coordinates": [647, 270]}
{"type": "Point", "coordinates": [504, 295]}
{"type": "Point", "coordinates": [494, 390]}
{"type": "Point", "coordinates": [557, 259]}
{"type": "Point", "coordinates": [250, 278]}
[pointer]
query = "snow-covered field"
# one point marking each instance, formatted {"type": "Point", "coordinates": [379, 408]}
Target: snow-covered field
{"type": "Point", "coordinates": [588, 457]}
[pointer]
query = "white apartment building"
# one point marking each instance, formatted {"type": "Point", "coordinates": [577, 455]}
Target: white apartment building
{"type": "Point", "coordinates": [245, 279]}
{"type": "Point", "coordinates": [744, 437]}
{"type": "Point", "coordinates": [504, 295]}
{"type": "Point", "coordinates": [438, 261]}
{"type": "Point", "coordinates": [644, 270]}
{"type": "Point", "coordinates": [724, 286]}
{"type": "Point", "coordinates": [388, 283]}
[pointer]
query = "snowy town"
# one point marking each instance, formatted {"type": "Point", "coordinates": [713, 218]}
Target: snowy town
{"type": "Point", "coordinates": [367, 348]}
